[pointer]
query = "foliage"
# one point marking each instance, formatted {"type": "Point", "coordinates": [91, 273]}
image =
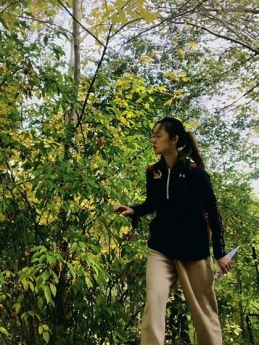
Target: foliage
{"type": "Point", "coordinates": [75, 144]}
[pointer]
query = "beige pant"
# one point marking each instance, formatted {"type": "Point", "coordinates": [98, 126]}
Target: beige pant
{"type": "Point", "coordinates": [196, 279]}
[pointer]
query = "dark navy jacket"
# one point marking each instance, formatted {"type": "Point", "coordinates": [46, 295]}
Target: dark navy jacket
{"type": "Point", "coordinates": [184, 204]}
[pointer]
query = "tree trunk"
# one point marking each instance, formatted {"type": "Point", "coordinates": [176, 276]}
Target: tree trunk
{"type": "Point", "coordinates": [64, 308]}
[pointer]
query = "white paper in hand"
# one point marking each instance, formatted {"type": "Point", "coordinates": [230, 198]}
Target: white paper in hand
{"type": "Point", "coordinates": [219, 274]}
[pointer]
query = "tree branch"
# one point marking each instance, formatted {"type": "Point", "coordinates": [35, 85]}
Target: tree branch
{"type": "Point", "coordinates": [6, 8]}
{"type": "Point", "coordinates": [224, 24]}
{"type": "Point", "coordinates": [94, 78]}
{"type": "Point", "coordinates": [123, 26]}
{"type": "Point", "coordinates": [13, 73]}
{"type": "Point", "coordinates": [234, 10]}
{"type": "Point", "coordinates": [247, 46]}
{"type": "Point", "coordinates": [46, 22]}
{"type": "Point", "coordinates": [75, 19]}
{"type": "Point", "coordinates": [163, 20]}
{"type": "Point", "coordinates": [192, 9]}
{"type": "Point", "coordinates": [145, 31]}
{"type": "Point", "coordinates": [239, 98]}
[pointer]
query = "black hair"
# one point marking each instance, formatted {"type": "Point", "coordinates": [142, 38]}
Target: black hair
{"type": "Point", "coordinates": [187, 145]}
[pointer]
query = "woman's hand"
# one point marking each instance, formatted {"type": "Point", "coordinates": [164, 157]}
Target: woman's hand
{"type": "Point", "coordinates": [124, 210]}
{"type": "Point", "coordinates": [225, 264]}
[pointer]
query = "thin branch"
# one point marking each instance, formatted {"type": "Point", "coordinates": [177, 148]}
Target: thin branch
{"type": "Point", "coordinates": [185, 11]}
{"type": "Point", "coordinates": [183, 5]}
{"type": "Point", "coordinates": [94, 78]}
{"type": "Point", "coordinates": [22, 193]}
{"type": "Point", "coordinates": [191, 10]}
{"type": "Point", "coordinates": [239, 98]}
{"type": "Point", "coordinates": [131, 320]}
{"type": "Point", "coordinates": [145, 31]}
{"type": "Point", "coordinates": [48, 22]}
{"type": "Point", "coordinates": [125, 5]}
{"type": "Point", "coordinates": [238, 10]}
{"type": "Point", "coordinates": [75, 19]}
{"type": "Point", "coordinates": [237, 66]}
{"type": "Point", "coordinates": [256, 51]}
{"type": "Point", "coordinates": [224, 24]}
{"type": "Point", "coordinates": [6, 8]}
{"type": "Point", "coordinates": [123, 26]}
{"type": "Point", "coordinates": [13, 73]}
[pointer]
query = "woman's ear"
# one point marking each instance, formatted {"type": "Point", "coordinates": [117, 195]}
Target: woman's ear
{"type": "Point", "coordinates": [175, 140]}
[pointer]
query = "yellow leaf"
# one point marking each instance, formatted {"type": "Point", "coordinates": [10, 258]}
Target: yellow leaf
{"type": "Point", "coordinates": [193, 44]}
{"type": "Point", "coordinates": [169, 102]}
{"type": "Point", "coordinates": [150, 17]}
{"type": "Point", "coordinates": [182, 74]}
{"type": "Point", "coordinates": [145, 59]}
{"type": "Point", "coordinates": [160, 88]}
{"type": "Point", "coordinates": [154, 54]}
{"type": "Point", "coordinates": [114, 18]}
{"type": "Point", "coordinates": [172, 76]}
{"type": "Point", "coordinates": [110, 8]}
{"type": "Point", "coordinates": [122, 17]}
{"type": "Point", "coordinates": [181, 52]}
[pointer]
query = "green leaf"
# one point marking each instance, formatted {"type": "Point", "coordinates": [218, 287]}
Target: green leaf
{"type": "Point", "coordinates": [40, 303]}
{"type": "Point", "coordinates": [24, 317]}
{"type": "Point", "coordinates": [51, 259]}
{"type": "Point", "coordinates": [45, 327]}
{"type": "Point", "coordinates": [17, 307]}
{"type": "Point", "coordinates": [45, 276]}
{"type": "Point", "coordinates": [4, 331]}
{"type": "Point", "coordinates": [47, 294]}
{"type": "Point", "coordinates": [53, 289]}
{"type": "Point", "coordinates": [75, 247]}
{"type": "Point", "coordinates": [46, 336]}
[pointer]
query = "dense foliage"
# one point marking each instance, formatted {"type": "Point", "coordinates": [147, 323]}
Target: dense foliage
{"type": "Point", "coordinates": [81, 84]}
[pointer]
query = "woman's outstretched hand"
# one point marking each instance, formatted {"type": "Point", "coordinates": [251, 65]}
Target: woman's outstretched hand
{"type": "Point", "coordinates": [124, 210]}
{"type": "Point", "coordinates": [225, 264]}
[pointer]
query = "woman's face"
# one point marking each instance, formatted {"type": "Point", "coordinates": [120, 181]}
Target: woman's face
{"type": "Point", "coordinates": [161, 142]}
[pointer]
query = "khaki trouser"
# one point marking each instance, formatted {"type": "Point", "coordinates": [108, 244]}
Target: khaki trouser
{"type": "Point", "coordinates": [196, 279]}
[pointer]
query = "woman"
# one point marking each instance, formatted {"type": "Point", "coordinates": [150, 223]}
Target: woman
{"type": "Point", "coordinates": [179, 191]}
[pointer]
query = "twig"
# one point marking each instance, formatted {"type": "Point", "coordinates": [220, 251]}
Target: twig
{"type": "Point", "coordinates": [256, 51]}
{"type": "Point", "coordinates": [94, 78]}
{"type": "Point", "coordinates": [71, 14]}
{"type": "Point", "coordinates": [6, 8]}
{"type": "Point", "coordinates": [239, 98]}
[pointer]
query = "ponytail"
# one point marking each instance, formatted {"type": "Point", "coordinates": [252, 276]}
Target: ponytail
{"type": "Point", "coordinates": [191, 150]}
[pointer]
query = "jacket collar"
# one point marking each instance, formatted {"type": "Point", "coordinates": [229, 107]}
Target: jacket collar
{"type": "Point", "coordinates": [179, 166]}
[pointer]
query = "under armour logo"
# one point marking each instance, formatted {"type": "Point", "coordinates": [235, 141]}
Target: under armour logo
{"type": "Point", "coordinates": [182, 175]}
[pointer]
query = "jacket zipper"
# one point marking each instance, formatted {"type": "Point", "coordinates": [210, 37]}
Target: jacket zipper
{"type": "Point", "coordinates": [167, 183]}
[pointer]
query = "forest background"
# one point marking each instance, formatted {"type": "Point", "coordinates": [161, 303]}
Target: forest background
{"type": "Point", "coordinates": [81, 84]}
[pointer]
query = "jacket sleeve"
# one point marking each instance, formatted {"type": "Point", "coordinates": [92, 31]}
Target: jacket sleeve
{"type": "Point", "coordinates": [147, 207]}
{"type": "Point", "coordinates": [210, 206]}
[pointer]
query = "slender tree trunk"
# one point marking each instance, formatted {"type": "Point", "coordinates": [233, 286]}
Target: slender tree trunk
{"type": "Point", "coordinates": [75, 63]}
{"type": "Point", "coordinates": [62, 301]}
{"type": "Point", "coordinates": [240, 302]}
{"type": "Point", "coordinates": [76, 36]}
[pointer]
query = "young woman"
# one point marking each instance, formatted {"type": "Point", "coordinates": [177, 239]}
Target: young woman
{"type": "Point", "coordinates": [179, 191]}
